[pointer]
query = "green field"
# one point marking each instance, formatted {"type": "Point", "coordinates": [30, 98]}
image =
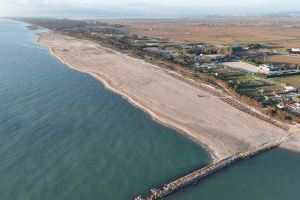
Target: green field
{"type": "Point", "coordinates": [245, 83]}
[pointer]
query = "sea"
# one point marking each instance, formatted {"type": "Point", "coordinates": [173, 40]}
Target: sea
{"type": "Point", "coordinates": [64, 136]}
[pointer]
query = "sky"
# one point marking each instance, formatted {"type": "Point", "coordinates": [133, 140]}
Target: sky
{"type": "Point", "coordinates": [147, 8]}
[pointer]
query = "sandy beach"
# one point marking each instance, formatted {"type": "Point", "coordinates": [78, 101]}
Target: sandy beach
{"type": "Point", "coordinates": [200, 115]}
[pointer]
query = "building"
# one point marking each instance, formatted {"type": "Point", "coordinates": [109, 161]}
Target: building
{"type": "Point", "coordinates": [265, 69]}
{"type": "Point", "coordinates": [152, 44]}
{"type": "Point", "coordinates": [295, 50]}
{"type": "Point", "coordinates": [289, 89]}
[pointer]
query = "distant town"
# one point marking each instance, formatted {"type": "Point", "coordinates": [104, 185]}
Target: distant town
{"type": "Point", "coordinates": [258, 74]}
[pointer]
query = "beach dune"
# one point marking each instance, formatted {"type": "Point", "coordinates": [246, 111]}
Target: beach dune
{"type": "Point", "coordinates": [200, 115]}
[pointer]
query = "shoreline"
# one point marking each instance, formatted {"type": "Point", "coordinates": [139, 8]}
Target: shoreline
{"type": "Point", "coordinates": [230, 143]}
{"type": "Point", "coordinates": [135, 103]}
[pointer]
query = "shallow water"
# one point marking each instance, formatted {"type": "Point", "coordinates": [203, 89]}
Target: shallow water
{"type": "Point", "coordinates": [64, 136]}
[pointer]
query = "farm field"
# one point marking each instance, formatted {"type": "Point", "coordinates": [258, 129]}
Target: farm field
{"type": "Point", "coordinates": [290, 80]}
{"type": "Point", "coordinates": [283, 59]}
{"type": "Point", "coordinates": [282, 33]}
{"type": "Point", "coordinates": [245, 84]}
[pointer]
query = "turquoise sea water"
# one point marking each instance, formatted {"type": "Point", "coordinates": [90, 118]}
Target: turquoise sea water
{"type": "Point", "coordinates": [63, 136]}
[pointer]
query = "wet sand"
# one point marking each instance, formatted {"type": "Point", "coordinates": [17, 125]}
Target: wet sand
{"type": "Point", "coordinates": [203, 117]}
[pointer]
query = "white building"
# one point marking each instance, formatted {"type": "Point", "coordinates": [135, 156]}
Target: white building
{"type": "Point", "coordinates": [296, 50]}
{"type": "Point", "coordinates": [289, 89]}
{"type": "Point", "coordinates": [152, 44]}
{"type": "Point", "coordinates": [265, 69]}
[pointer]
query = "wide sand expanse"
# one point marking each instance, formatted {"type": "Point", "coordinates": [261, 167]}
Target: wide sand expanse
{"type": "Point", "coordinates": [202, 116]}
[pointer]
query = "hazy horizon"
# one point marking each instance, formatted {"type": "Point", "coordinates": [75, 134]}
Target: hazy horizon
{"type": "Point", "coordinates": [142, 8]}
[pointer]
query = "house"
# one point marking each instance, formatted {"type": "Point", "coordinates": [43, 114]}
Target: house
{"type": "Point", "coordinates": [280, 106]}
{"type": "Point", "coordinates": [152, 44]}
{"type": "Point", "coordinates": [265, 69]}
{"type": "Point", "coordinates": [289, 89]}
{"type": "Point", "coordinates": [295, 50]}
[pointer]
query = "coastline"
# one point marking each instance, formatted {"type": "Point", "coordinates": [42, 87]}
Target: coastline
{"type": "Point", "coordinates": [135, 103]}
{"type": "Point", "coordinates": [213, 148]}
